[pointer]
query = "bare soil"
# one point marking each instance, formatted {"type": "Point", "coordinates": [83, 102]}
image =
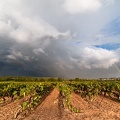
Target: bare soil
{"type": "Point", "coordinates": [11, 110]}
{"type": "Point", "coordinates": [53, 108]}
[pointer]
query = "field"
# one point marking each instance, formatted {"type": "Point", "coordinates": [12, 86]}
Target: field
{"type": "Point", "coordinates": [28, 98]}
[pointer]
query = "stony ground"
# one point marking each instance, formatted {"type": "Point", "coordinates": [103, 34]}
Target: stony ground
{"type": "Point", "coordinates": [53, 108]}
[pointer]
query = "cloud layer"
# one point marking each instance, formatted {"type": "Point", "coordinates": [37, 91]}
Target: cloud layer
{"type": "Point", "coordinates": [59, 38]}
{"type": "Point", "coordinates": [81, 6]}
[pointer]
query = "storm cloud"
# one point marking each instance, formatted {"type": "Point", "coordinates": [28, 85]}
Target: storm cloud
{"type": "Point", "coordinates": [59, 38]}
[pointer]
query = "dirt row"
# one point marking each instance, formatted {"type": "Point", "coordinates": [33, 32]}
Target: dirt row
{"type": "Point", "coordinates": [11, 110]}
{"type": "Point", "coordinates": [53, 108]}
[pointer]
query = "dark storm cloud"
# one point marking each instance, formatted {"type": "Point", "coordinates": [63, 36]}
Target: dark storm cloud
{"type": "Point", "coordinates": [57, 58]}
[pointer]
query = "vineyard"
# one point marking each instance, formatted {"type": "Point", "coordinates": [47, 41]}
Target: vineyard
{"type": "Point", "coordinates": [55, 98]}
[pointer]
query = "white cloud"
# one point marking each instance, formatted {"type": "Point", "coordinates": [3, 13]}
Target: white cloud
{"type": "Point", "coordinates": [81, 6]}
{"type": "Point", "coordinates": [95, 58]}
{"type": "Point", "coordinates": [11, 57]}
{"type": "Point", "coordinates": [24, 28]}
{"type": "Point", "coordinates": [38, 51]}
{"type": "Point", "coordinates": [4, 28]}
{"type": "Point", "coordinates": [16, 56]}
{"type": "Point", "coordinates": [110, 2]}
{"type": "Point", "coordinates": [28, 30]}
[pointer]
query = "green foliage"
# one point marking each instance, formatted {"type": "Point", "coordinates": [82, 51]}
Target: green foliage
{"type": "Point", "coordinates": [92, 88]}
{"type": "Point", "coordinates": [66, 90]}
{"type": "Point", "coordinates": [37, 92]}
{"type": "Point", "coordinates": [15, 88]}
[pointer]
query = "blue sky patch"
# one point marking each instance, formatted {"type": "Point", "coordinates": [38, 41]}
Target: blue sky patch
{"type": "Point", "coordinates": [109, 46]}
{"type": "Point", "coordinates": [112, 28]}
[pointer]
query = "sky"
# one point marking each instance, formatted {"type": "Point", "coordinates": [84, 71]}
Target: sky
{"type": "Point", "coordinates": [60, 38]}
